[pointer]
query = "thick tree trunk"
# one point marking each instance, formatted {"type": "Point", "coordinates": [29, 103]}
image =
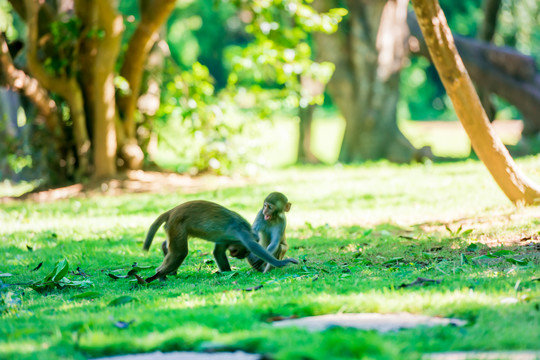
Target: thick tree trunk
{"type": "Point", "coordinates": [104, 111]}
{"type": "Point", "coordinates": [368, 52]}
{"type": "Point", "coordinates": [458, 85]}
{"type": "Point", "coordinates": [153, 15]}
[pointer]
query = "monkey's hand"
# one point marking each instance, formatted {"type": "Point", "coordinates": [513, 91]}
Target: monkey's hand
{"type": "Point", "coordinates": [285, 262]}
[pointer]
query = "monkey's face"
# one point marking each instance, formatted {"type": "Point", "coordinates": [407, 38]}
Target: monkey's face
{"type": "Point", "coordinates": [238, 251]}
{"type": "Point", "coordinates": [269, 211]}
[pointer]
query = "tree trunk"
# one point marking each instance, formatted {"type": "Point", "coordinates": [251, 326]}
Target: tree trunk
{"type": "Point", "coordinates": [368, 52]}
{"type": "Point", "coordinates": [153, 15]}
{"type": "Point", "coordinates": [460, 89]}
{"type": "Point", "coordinates": [491, 13]}
{"type": "Point", "coordinates": [104, 111]}
{"type": "Point", "coordinates": [486, 32]}
{"type": "Point", "coordinates": [304, 154]}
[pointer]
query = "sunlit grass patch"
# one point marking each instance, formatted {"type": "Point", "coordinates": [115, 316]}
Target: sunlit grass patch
{"type": "Point", "coordinates": [363, 234]}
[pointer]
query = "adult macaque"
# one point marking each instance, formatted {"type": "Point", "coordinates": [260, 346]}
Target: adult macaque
{"type": "Point", "coordinates": [208, 221]}
{"type": "Point", "coordinates": [236, 250]}
{"type": "Point", "coordinates": [270, 225]}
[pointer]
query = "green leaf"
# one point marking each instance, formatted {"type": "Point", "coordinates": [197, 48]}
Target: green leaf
{"type": "Point", "coordinates": [467, 232]}
{"type": "Point", "coordinates": [517, 261]}
{"type": "Point", "coordinates": [339, 11]}
{"type": "Point", "coordinates": [62, 269]}
{"type": "Point", "coordinates": [504, 252]}
{"type": "Point", "coordinates": [472, 247]}
{"type": "Point", "coordinates": [484, 257]}
{"type": "Point", "coordinates": [122, 300]}
{"type": "Point", "coordinates": [464, 259]}
{"type": "Point", "coordinates": [86, 295]}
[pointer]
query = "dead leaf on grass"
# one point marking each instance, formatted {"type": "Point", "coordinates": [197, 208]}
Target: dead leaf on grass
{"type": "Point", "coordinates": [280, 318]}
{"type": "Point", "coordinates": [254, 288]}
{"type": "Point", "coordinates": [80, 272]}
{"type": "Point", "coordinates": [420, 282]}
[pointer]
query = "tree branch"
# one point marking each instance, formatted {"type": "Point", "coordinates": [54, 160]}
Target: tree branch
{"type": "Point", "coordinates": [490, 149]}
{"type": "Point", "coordinates": [153, 15]}
{"type": "Point", "coordinates": [18, 80]}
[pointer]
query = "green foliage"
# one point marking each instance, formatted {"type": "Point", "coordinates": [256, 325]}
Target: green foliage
{"type": "Point", "coordinates": [57, 279]}
{"type": "Point", "coordinates": [190, 99]}
{"type": "Point", "coordinates": [6, 20]}
{"type": "Point", "coordinates": [364, 235]}
{"type": "Point", "coordinates": [280, 52]}
{"type": "Point", "coordinates": [63, 46]}
{"type": "Point", "coordinates": [260, 65]}
{"type": "Point", "coordinates": [518, 27]}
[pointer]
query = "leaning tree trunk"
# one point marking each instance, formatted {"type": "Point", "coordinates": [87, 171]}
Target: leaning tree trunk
{"type": "Point", "coordinates": [460, 89]}
{"type": "Point", "coordinates": [368, 51]}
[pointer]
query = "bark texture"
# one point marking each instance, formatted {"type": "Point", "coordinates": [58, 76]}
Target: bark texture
{"type": "Point", "coordinates": [304, 153]}
{"type": "Point", "coordinates": [368, 52]}
{"type": "Point", "coordinates": [444, 54]}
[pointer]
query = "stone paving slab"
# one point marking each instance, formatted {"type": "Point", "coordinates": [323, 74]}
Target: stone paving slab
{"type": "Point", "coordinates": [369, 321]}
{"type": "Point", "coordinates": [484, 355]}
{"type": "Point", "coordinates": [186, 355]}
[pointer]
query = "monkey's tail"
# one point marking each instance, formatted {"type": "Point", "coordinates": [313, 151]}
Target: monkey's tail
{"type": "Point", "coordinates": [153, 229]}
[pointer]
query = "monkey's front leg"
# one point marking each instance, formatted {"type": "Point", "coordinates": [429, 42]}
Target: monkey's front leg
{"type": "Point", "coordinates": [221, 257]}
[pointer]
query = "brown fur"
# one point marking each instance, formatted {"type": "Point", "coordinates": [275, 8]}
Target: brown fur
{"type": "Point", "coordinates": [209, 221]}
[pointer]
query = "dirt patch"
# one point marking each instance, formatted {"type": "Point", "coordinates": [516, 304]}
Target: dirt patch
{"type": "Point", "coordinates": [134, 181]}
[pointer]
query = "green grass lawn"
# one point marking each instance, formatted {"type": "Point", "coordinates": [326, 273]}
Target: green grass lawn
{"type": "Point", "coordinates": [360, 232]}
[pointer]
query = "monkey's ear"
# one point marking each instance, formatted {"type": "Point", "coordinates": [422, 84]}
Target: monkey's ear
{"type": "Point", "coordinates": [287, 207]}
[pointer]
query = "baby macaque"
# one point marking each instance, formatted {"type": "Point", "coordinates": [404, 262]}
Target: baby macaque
{"type": "Point", "coordinates": [269, 225]}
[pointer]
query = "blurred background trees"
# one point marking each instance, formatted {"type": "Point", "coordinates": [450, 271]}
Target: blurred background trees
{"type": "Point", "coordinates": [87, 88]}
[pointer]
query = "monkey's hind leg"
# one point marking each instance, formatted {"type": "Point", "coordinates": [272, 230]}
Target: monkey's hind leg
{"type": "Point", "coordinates": [177, 252]}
